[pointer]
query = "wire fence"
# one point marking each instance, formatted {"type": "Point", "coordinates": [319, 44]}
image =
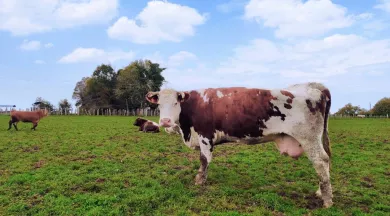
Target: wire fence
{"type": "Point", "coordinates": [96, 112]}
{"type": "Point", "coordinates": [358, 116]}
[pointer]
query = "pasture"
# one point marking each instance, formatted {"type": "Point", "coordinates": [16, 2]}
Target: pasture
{"type": "Point", "coordinates": [83, 165]}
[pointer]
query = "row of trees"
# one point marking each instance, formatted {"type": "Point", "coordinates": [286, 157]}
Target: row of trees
{"type": "Point", "coordinates": [122, 89]}
{"type": "Point", "coordinates": [41, 103]}
{"type": "Point", "coordinates": [382, 107]}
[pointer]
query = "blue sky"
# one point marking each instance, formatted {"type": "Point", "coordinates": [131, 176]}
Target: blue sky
{"type": "Point", "coordinates": [48, 45]}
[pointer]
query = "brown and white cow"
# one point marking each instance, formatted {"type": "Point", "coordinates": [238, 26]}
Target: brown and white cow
{"type": "Point", "coordinates": [146, 126]}
{"type": "Point", "coordinates": [295, 118]}
{"type": "Point", "coordinates": [26, 116]}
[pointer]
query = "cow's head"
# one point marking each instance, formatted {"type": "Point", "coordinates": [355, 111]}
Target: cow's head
{"type": "Point", "coordinates": [169, 102]}
{"type": "Point", "coordinates": [44, 112]}
{"type": "Point", "coordinates": [139, 121]}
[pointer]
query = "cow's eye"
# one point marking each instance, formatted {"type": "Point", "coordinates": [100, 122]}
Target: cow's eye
{"type": "Point", "coordinates": [175, 103]}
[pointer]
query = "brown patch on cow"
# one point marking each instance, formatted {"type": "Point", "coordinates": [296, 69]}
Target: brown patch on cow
{"type": "Point", "coordinates": [240, 113]}
{"type": "Point", "coordinates": [146, 125]}
{"type": "Point", "coordinates": [319, 106]}
{"type": "Point", "coordinates": [287, 106]}
{"type": "Point", "coordinates": [287, 94]}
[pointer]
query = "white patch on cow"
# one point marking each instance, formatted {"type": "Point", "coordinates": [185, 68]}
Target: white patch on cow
{"type": "Point", "coordinates": [154, 123]}
{"type": "Point", "coordinates": [205, 99]}
{"type": "Point", "coordinates": [305, 90]}
{"type": "Point", "coordinates": [205, 148]}
{"type": "Point", "coordinates": [299, 116]}
{"type": "Point", "coordinates": [193, 143]}
{"type": "Point", "coordinates": [220, 135]}
{"type": "Point", "coordinates": [203, 95]}
{"type": "Point", "coordinates": [219, 94]}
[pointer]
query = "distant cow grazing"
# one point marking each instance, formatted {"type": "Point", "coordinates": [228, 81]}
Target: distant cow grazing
{"type": "Point", "coordinates": [26, 116]}
{"type": "Point", "coordinates": [295, 118]}
{"type": "Point", "coordinates": [146, 125]}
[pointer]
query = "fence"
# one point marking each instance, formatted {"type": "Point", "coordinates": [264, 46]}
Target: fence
{"type": "Point", "coordinates": [358, 116]}
{"type": "Point", "coordinates": [97, 112]}
{"type": "Point", "coordinates": [111, 112]}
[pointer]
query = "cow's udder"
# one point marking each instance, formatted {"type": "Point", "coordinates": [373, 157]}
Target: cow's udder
{"type": "Point", "coordinates": [287, 145]}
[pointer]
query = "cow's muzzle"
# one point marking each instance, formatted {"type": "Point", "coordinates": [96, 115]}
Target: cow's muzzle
{"type": "Point", "coordinates": [166, 122]}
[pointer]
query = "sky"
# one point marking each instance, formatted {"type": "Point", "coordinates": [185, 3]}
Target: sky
{"type": "Point", "coordinates": [46, 46]}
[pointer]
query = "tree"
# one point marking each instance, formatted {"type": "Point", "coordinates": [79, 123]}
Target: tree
{"type": "Point", "coordinates": [382, 107]}
{"type": "Point", "coordinates": [41, 103]}
{"type": "Point", "coordinates": [79, 93]}
{"type": "Point", "coordinates": [64, 105]}
{"type": "Point", "coordinates": [348, 110]}
{"type": "Point", "coordinates": [97, 91]}
{"type": "Point", "coordinates": [135, 80]}
{"type": "Point", "coordinates": [124, 89]}
{"type": "Point", "coordinates": [363, 111]}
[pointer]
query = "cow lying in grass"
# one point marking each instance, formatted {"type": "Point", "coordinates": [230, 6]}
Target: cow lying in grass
{"type": "Point", "coordinates": [26, 116]}
{"type": "Point", "coordinates": [295, 118]}
{"type": "Point", "coordinates": [146, 126]}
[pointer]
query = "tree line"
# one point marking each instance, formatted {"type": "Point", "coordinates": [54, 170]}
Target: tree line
{"type": "Point", "coordinates": [105, 88]}
{"type": "Point", "coordinates": [382, 107]}
{"type": "Point", "coordinates": [122, 89]}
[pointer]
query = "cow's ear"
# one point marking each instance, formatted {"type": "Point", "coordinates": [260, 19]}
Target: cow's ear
{"type": "Point", "coordinates": [183, 96]}
{"type": "Point", "coordinates": [152, 97]}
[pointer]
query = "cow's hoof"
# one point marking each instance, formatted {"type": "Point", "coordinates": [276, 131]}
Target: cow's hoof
{"type": "Point", "coordinates": [318, 193]}
{"type": "Point", "coordinates": [200, 179]}
{"type": "Point", "coordinates": [328, 204]}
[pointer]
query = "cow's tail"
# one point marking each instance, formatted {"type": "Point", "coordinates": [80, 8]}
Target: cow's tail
{"type": "Point", "coordinates": [325, 135]}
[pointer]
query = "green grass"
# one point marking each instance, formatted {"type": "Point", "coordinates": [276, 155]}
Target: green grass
{"type": "Point", "coordinates": [104, 166]}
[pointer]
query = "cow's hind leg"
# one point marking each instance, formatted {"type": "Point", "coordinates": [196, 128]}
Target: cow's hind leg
{"type": "Point", "coordinates": [15, 125]}
{"type": "Point", "coordinates": [205, 159]}
{"type": "Point", "coordinates": [35, 124]}
{"type": "Point", "coordinates": [320, 160]}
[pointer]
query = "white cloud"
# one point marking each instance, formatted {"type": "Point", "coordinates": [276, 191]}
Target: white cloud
{"type": "Point", "coordinates": [158, 21]}
{"type": "Point", "coordinates": [384, 5]}
{"type": "Point", "coordinates": [310, 59]}
{"type": "Point", "coordinates": [49, 45]}
{"type": "Point", "coordinates": [96, 55]}
{"type": "Point", "coordinates": [181, 57]}
{"type": "Point", "coordinates": [21, 17]}
{"type": "Point", "coordinates": [295, 18]}
{"type": "Point", "coordinates": [39, 62]}
{"type": "Point", "coordinates": [30, 45]}
{"type": "Point", "coordinates": [230, 6]}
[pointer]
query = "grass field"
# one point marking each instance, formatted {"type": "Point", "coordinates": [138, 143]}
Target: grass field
{"type": "Point", "coordinates": [104, 166]}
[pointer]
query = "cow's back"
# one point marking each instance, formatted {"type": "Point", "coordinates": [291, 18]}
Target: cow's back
{"type": "Point", "coordinates": [249, 112]}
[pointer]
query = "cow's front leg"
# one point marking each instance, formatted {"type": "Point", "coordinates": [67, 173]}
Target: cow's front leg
{"type": "Point", "coordinates": [205, 159]}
